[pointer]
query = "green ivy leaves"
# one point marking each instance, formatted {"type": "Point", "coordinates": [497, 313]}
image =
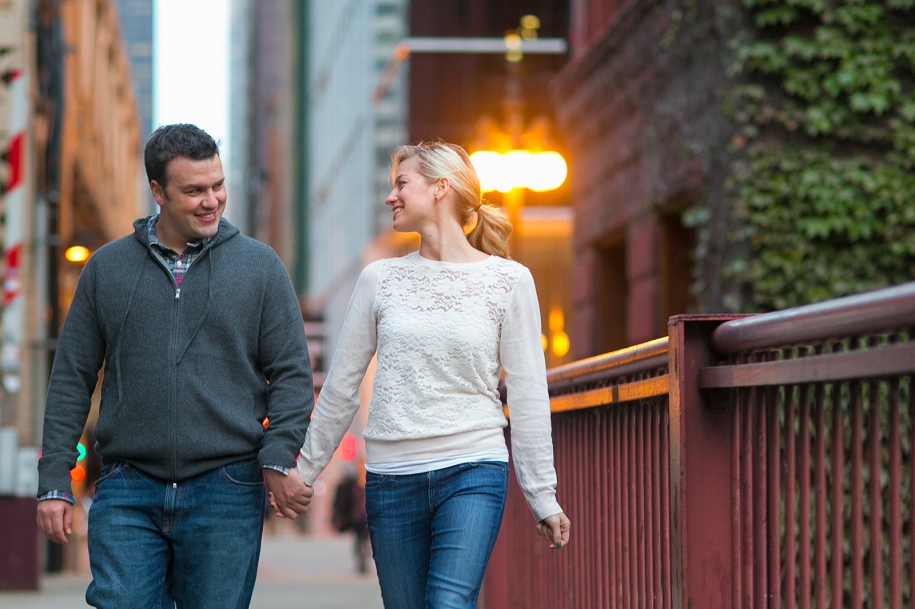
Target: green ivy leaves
{"type": "Point", "coordinates": [825, 188]}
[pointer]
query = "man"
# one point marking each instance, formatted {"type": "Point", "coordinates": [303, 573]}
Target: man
{"type": "Point", "coordinates": [206, 393]}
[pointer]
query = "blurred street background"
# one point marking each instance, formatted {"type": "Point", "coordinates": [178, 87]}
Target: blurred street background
{"type": "Point", "coordinates": [656, 157]}
{"type": "Point", "coordinates": [295, 572]}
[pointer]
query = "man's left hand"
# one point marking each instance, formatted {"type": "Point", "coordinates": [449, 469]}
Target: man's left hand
{"type": "Point", "coordinates": [288, 495]}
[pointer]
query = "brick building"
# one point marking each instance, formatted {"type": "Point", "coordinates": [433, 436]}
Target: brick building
{"type": "Point", "coordinates": [641, 104]}
{"type": "Point", "coordinates": [101, 187]}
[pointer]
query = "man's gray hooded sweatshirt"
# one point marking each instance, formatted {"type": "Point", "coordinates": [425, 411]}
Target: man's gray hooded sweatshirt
{"type": "Point", "coordinates": [190, 374]}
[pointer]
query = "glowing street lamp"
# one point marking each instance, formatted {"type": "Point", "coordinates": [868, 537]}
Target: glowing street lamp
{"type": "Point", "coordinates": [513, 171]}
{"type": "Point", "coordinates": [76, 253]}
{"type": "Point", "coordinates": [537, 171]}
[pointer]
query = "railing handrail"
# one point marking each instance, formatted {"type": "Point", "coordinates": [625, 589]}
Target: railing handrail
{"type": "Point", "coordinates": [623, 362]}
{"type": "Point", "coordinates": [878, 311]}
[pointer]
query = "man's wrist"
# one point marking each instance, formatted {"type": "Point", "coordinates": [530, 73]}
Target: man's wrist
{"type": "Point", "coordinates": [279, 468]}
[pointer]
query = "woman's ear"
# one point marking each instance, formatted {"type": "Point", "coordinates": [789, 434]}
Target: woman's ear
{"type": "Point", "coordinates": [442, 188]}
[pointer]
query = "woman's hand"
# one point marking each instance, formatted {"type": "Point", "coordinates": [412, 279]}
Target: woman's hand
{"type": "Point", "coordinates": [555, 529]}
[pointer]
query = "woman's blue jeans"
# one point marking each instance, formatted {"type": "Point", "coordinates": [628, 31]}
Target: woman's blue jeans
{"type": "Point", "coordinates": [195, 544]}
{"type": "Point", "coordinates": [432, 533]}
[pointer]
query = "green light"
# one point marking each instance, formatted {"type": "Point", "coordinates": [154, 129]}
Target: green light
{"type": "Point", "coordinates": [81, 450]}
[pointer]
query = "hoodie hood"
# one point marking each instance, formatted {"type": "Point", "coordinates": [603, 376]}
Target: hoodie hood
{"type": "Point", "coordinates": [225, 232]}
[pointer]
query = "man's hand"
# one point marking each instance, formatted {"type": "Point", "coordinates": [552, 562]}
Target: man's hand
{"type": "Point", "coordinates": [289, 496]}
{"type": "Point", "coordinates": [555, 529]}
{"type": "Point", "coordinates": [55, 519]}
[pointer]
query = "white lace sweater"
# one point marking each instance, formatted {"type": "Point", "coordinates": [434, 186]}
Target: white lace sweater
{"type": "Point", "coordinates": [442, 332]}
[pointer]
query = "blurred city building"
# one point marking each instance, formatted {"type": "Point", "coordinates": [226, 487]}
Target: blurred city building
{"type": "Point", "coordinates": [71, 182]}
{"type": "Point", "coordinates": [100, 171]}
{"type": "Point", "coordinates": [237, 166]}
{"type": "Point", "coordinates": [268, 158]}
{"type": "Point", "coordinates": [350, 140]}
{"type": "Point", "coordinates": [640, 108]}
{"type": "Point", "coordinates": [136, 19]}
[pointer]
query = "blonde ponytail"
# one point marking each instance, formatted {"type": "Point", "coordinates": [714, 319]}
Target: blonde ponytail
{"type": "Point", "coordinates": [490, 234]}
{"type": "Point", "coordinates": [437, 160]}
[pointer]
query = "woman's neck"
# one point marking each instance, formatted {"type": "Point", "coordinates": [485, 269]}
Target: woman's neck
{"type": "Point", "coordinates": [446, 242]}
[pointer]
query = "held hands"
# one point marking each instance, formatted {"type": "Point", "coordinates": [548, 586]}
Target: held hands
{"type": "Point", "coordinates": [555, 529]}
{"type": "Point", "coordinates": [55, 519]}
{"type": "Point", "coordinates": [289, 496]}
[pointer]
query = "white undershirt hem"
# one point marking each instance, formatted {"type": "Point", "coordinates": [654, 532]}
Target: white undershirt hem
{"type": "Point", "coordinates": [421, 466]}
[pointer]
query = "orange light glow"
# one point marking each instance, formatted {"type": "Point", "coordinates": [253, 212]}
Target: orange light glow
{"type": "Point", "coordinates": [77, 474]}
{"type": "Point", "coordinates": [76, 253]}
{"type": "Point", "coordinates": [560, 343]}
{"type": "Point", "coordinates": [538, 171]}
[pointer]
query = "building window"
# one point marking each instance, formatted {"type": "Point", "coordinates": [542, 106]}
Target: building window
{"type": "Point", "coordinates": [611, 292]}
{"type": "Point", "coordinates": [677, 243]}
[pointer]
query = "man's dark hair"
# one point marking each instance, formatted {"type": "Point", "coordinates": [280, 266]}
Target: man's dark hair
{"type": "Point", "coordinates": [170, 141]}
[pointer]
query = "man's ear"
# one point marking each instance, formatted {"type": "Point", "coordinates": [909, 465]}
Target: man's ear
{"type": "Point", "coordinates": [157, 191]}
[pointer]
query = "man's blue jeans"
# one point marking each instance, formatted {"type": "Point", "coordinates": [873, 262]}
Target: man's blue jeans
{"type": "Point", "coordinates": [432, 533]}
{"type": "Point", "coordinates": [192, 544]}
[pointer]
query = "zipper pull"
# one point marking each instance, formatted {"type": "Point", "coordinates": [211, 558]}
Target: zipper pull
{"type": "Point", "coordinates": [177, 293]}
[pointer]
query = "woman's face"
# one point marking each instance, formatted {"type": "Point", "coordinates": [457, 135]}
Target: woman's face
{"type": "Point", "coordinates": [412, 199]}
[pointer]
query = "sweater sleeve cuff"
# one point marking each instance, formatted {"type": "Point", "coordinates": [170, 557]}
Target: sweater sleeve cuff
{"type": "Point", "coordinates": [544, 506]}
{"type": "Point", "coordinates": [278, 455]}
{"type": "Point", "coordinates": [307, 472]}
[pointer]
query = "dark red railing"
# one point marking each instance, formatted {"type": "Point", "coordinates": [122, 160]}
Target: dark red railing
{"type": "Point", "coordinates": [610, 438]}
{"type": "Point", "coordinates": [760, 461]}
{"type": "Point", "coordinates": [822, 406]}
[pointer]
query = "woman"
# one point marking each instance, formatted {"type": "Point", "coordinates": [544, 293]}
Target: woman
{"type": "Point", "coordinates": [443, 320]}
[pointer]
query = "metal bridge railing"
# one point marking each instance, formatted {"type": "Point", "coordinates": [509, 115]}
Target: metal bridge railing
{"type": "Point", "coordinates": [756, 461]}
{"type": "Point", "coordinates": [610, 436]}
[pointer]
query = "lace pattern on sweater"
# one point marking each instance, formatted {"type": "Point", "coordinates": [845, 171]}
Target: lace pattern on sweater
{"type": "Point", "coordinates": [438, 348]}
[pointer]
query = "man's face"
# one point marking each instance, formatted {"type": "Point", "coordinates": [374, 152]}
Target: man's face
{"type": "Point", "coordinates": [191, 203]}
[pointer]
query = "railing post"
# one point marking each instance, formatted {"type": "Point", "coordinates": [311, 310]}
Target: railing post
{"type": "Point", "coordinates": [700, 472]}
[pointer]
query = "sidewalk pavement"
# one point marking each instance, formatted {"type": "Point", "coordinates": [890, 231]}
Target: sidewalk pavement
{"type": "Point", "coordinates": [296, 572]}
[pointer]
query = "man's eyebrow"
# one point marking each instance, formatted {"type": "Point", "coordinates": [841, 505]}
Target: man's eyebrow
{"type": "Point", "coordinates": [198, 186]}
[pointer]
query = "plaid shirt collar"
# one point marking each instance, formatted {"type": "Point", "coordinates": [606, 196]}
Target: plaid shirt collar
{"type": "Point", "coordinates": [177, 263]}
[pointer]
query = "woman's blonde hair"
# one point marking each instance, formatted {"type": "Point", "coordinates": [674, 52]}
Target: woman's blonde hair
{"type": "Point", "coordinates": [437, 160]}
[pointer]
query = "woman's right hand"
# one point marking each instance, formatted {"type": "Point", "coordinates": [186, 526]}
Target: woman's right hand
{"type": "Point", "coordinates": [555, 529]}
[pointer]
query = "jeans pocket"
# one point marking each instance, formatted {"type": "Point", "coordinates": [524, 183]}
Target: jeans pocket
{"type": "Point", "coordinates": [109, 470]}
{"type": "Point", "coordinates": [375, 480]}
{"type": "Point", "coordinates": [243, 473]}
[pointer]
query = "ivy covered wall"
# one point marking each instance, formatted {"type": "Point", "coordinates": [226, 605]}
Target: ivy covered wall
{"type": "Point", "coordinates": [823, 186]}
{"type": "Point", "coordinates": [781, 131]}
